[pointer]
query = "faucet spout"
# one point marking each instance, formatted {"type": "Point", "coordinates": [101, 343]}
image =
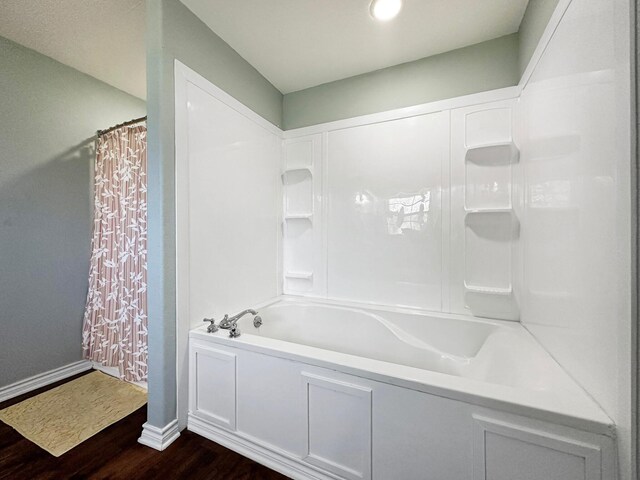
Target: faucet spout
{"type": "Point", "coordinates": [228, 322]}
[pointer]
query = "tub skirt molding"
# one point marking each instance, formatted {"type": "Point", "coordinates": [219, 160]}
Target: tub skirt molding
{"type": "Point", "coordinates": [272, 457]}
{"type": "Point", "coordinates": [159, 438]}
{"type": "Point", "coordinates": [296, 417]}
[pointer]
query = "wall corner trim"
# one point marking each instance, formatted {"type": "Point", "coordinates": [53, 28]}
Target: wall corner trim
{"type": "Point", "coordinates": [159, 438]}
{"type": "Point", "coordinates": [546, 37]}
{"type": "Point", "coordinates": [184, 74]}
{"type": "Point", "coordinates": [43, 379]}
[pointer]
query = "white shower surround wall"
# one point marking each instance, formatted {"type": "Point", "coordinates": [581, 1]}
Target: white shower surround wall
{"type": "Point", "coordinates": [212, 196]}
{"type": "Point", "coordinates": [500, 406]}
{"type": "Point", "coordinates": [574, 129]}
{"type": "Point", "coordinates": [209, 121]}
{"type": "Point", "coordinates": [395, 210]}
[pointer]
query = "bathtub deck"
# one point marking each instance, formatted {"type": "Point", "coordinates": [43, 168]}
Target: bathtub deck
{"type": "Point", "coordinates": [563, 402]}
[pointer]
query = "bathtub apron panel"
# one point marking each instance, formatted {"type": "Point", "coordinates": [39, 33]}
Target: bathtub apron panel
{"type": "Point", "coordinates": [311, 422]}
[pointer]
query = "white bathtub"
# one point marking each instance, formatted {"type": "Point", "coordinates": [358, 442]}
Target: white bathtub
{"type": "Point", "coordinates": [492, 353]}
{"type": "Point", "coordinates": [485, 364]}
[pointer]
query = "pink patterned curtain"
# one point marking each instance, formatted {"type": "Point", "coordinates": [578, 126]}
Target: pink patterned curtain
{"type": "Point", "coordinates": [115, 320]}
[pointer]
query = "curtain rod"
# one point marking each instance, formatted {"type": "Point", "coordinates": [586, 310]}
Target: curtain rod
{"type": "Point", "coordinates": [130, 122]}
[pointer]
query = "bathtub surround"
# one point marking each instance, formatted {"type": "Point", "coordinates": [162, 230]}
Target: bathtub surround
{"type": "Point", "coordinates": [519, 411]}
{"type": "Point", "coordinates": [173, 32]}
{"type": "Point", "coordinates": [485, 66]}
{"type": "Point", "coordinates": [50, 114]}
{"type": "Point", "coordinates": [413, 208]}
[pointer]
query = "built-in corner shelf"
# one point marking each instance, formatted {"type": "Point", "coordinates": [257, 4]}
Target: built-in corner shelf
{"type": "Point", "coordinates": [503, 153]}
{"type": "Point", "coordinates": [490, 215]}
{"type": "Point", "coordinates": [470, 212]}
{"type": "Point", "coordinates": [483, 211]}
{"type": "Point", "coordinates": [302, 215]}
{"type": "Point", "coordinates": [299, 216]}
{"type": "Point", "coordinates": [299, 275]}
{"type": "Point", "coordinates": [300, 169]}
{"type": "Point", "coordinates": [485, 156]}
{"type": "Point", "coordinates": [489, 290]}
{"type": "Point", "coordinates": [491, 302]}
{"type": "Point", "coordinates": [478, 217]}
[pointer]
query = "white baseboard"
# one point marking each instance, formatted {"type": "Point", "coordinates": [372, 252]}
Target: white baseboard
{"type": "Point", "coordinates": [280, 461]}
{"type": "Point", "coordinates": [159, 438]}
{"type": "Point", "coordinates": [37, 381]}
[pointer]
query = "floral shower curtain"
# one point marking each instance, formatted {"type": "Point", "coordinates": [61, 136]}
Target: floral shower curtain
{"type": "Point", "coordinates": [115, 320]}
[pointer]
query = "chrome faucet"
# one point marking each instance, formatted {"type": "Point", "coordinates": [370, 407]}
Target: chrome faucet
{"type": "Point", "coordinates": [230, 322]}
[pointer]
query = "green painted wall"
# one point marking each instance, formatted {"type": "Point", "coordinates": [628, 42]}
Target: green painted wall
{"type": "Point", "coordinates": [50, 114]}
{"type": "Point", "coordinates": [535, 20]}
{"type": "Point", "coordinates": [173, 32]}
{"type": "Point", "coordinates": [484, 66]}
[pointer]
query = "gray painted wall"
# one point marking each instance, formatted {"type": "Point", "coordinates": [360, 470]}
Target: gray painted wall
{"type": "Point", "coordinates": [485, 66]}
{"type": "Point", "coordinates": [535, 20]}
{"type": "Point", "coordinates": [173, 32]}
{"type": "Point", "coordinates": [49, 114]}
{"type": "Point", "coordinates": [477, 68]}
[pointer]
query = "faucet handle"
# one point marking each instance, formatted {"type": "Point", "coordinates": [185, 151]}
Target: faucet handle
{"type": "Point", "coordinates": [212, 327]}
{"type": "Point", "coordinates": [234, 331]}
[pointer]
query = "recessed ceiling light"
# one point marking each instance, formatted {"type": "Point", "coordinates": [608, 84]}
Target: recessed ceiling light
{"type": "Point", "coordinates": [384, 10]}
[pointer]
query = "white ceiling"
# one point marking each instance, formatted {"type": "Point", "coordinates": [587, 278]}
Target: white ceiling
{"type": "Point", "coordinates": [298, 44]}
{"type": "Point", "coordinates": [295, 44]}
{"type": "Point", "coordinates": [103, 38]}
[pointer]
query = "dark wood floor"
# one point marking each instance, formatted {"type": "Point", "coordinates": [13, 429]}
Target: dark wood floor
{"type": "Point", "coordinates": [115, 453]}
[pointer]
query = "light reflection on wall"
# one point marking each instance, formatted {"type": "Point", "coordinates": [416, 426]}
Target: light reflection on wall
{"type": "Point", "coordinates": [550, 194]}
{"type": "Point", "coordinates": [408, 212]}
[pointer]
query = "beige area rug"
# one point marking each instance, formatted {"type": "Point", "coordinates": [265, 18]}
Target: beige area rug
{"type": "Point", "coordinates": [65, 416]}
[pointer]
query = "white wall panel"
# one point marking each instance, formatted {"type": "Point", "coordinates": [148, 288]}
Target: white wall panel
{"type": "Point", "coordinates": [228, 209]}
{"type": "Point", "coordinates": [575, 116]}
{"type": "Point", "coordinates": [384, 221]}
{"type": "Point", "coordinates": [233, 208]}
